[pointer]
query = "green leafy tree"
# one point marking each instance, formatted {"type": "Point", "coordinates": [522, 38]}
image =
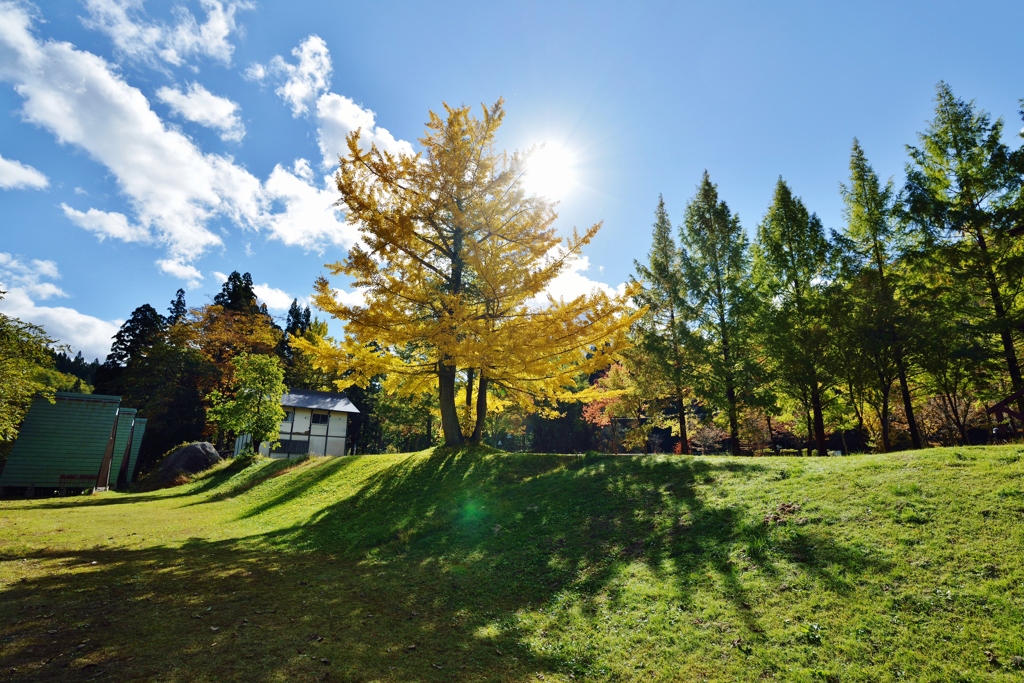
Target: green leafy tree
{"type": "Point", "coordinates": [853, 372]}
{"type": "Point", "coordinates": [963, 193]}
{"type": "Point", "coordinates": [877, 244]}
{"type": "Point", "coordinates": [76, 366]}
{"type": "Point", "coordinates": [961, 367]}
{"type": "Point", "coordinates": [716, 263]}
{"type": "Point", "coordinates": [157, 366]}
{"type": "Point", "coordinates": [24, 350]}
{"type": "Point", "coordinates": [791, 268]}
{"type": "Point", "coordinates": [167, 383]}
{"type": "Point", "coordinates": [256, 407]}
{"type": "Point", "coordinates": [663, 333]}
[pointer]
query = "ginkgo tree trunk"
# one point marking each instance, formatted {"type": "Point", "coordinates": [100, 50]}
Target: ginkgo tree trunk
{"type": "Point", "coordinates": [453, 261]}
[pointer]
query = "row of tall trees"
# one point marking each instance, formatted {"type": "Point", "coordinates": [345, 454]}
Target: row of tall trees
{"type": "Point", "coordinates": [911, 309]}
{"type": "Point", "coordinates": [896, 329]}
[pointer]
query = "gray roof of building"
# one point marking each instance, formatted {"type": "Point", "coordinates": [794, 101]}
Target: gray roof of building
{"type": "Point", "coordinates": [318, 400]}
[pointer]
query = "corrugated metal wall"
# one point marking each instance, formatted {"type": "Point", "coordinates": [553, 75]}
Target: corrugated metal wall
{"type": "Point", "coordinates": [62, 444]}
{"type": "Point", "coordinates": [140, 431]}
{"type": "Point", "coordinates": [122, 442]}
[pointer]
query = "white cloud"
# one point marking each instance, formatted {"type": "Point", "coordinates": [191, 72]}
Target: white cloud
{"type": "Point", "coordinates": [303, 170]}
{"type": "Point", "coordinates": [309, 218]}
{"type": "Point", "coordinates": [24, 284]}
{"type": "Point", "coordinates": [201, 106]}
{"type": "Point", "coordinates": [45, 268]}
{"type": "Point", "coordinates": [181, 270]}
{"type": "Point", "coordinates": [304, 81]}
{"type": "Point", "coordinates": [573, 283]}
{"type": "Point", "coordinates": [275, 299]}
{"type": "Point", "coordinates": [16, 175]}
{"type": "Point", "coordinates": [172, 186]}
{"type": "Point", "coordinates": [356, 297]}
{"type": "Point", "coordinates": [107, 224]}
{"type": "Point", "coordinates": [90, 335]}
{"type": "Point", "coordinates": [17, 274]}
{"type": "Point", "coordinates": [256, 72]}
{"type": "Point", "coordinates": [137, 38]}
{"type": "Point", "coordinates": [338, 116]}
{"type": "Point", "coordinates": [173, 189]}
{"type": "Point", "coordinates": [220, 277]}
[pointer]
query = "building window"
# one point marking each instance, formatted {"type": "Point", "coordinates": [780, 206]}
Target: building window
{"type": "Point", "coordinates": [321, 418]}
{"type": "Point", "coordinates": [292, 447]}
{"type": "Point", "coordinates": [289, 416]}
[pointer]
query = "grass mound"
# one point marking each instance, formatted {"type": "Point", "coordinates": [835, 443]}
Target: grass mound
{"type": "Point", "coordinates": [476, 565]}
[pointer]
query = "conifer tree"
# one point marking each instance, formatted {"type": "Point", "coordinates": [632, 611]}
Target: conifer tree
{"type": "Point", "coordinates": [791, 268]}
{"type": "Point", "coordinates": [662, 333]}
{"type": "Point", "coordinates": [876, 243]}
{"type": "Point", "coordinates": [135, 337]}
{"type": "Point", "coordinates": [964, 195]}
{"type": "Point", "coordinates": [178, 310]}
{"type": "Point", "coordinates": [716, 264]}
{"type": "Point", "coordinates": [237, 294]}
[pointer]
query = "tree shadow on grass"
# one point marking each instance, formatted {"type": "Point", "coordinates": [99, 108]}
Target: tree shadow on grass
{"type": "Point", "coordinates": [419, 574]}
{"type": "Point", "coordinates": [202, 483]}
{"type": "Point", "coordinates": [514, 532]}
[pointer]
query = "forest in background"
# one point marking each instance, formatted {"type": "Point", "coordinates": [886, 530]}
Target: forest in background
{"type": "Point", "coordinates": [896, 330]}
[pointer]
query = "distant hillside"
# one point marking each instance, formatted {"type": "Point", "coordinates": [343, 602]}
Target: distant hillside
{"type": "Point", "coordinates": [484, 566]}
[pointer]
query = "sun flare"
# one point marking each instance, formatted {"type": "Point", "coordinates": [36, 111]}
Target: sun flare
{"type": "Point", "coordinates": [550, 171]}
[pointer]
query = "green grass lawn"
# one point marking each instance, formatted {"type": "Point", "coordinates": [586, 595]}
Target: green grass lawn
{"type": "Point", "coordinates": [472, 566]}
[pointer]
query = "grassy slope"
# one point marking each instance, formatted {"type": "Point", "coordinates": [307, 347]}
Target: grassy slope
{"type": "Point", "coordinates": [529, 567]}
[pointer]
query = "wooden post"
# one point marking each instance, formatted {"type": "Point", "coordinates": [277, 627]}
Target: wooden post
{"type": "Point", "coordinates": [327, 434]}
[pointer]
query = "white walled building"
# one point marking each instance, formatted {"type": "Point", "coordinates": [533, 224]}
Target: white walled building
{"type": "Point", "coordinates": [315, 423]}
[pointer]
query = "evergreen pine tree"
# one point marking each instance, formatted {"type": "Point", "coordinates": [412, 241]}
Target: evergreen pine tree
{"type": "Point", "coordinates": [178, 309]}
{"type": "Point", "coordinates": [716, 264]}
{"type": "Point", "coordinates": [791, 267]}
{"type": "Point", "coordinates": [663, 334]}
{"type": "Point", "coordinates": [964, 194]}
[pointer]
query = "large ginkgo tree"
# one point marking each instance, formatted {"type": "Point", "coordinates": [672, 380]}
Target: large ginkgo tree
{"type": "Point", "coordinates": [453, 262]}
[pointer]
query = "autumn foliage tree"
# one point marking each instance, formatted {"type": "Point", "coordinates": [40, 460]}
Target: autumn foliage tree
{"type": "Point", "coordinates": [453, 257]}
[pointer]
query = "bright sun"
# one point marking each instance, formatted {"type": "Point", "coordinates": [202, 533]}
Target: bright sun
{"type": "Point", "coordinates": [550, 171]}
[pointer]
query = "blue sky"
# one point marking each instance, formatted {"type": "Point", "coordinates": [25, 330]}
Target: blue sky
{"type": "Point", "coordinates": [146, 146]}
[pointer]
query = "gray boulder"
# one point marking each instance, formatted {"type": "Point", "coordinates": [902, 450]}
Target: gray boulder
{"type": "Point", "coordinates": [190, 459]}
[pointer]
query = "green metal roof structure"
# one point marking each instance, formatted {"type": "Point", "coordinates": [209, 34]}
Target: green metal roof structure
{"type": "Point", "coordinates": [137, 433]}
{"type": "Point", "coordinates": [63, 444]}
{"type": "Point", "coordinates": [122, 445]}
